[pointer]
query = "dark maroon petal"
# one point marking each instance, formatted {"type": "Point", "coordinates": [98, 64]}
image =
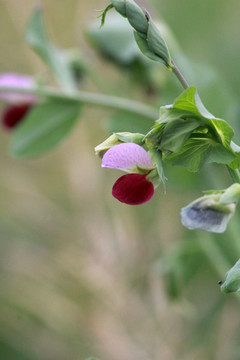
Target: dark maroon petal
{"type": "Point", "coordinates": [13, 114]}
{"type": "Point", "coordinates": [133, 189]}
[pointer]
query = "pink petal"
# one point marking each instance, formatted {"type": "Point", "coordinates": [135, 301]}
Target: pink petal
{"type": "Point", "coordinates": [127, 156]}
{"type": "Point", "coordinates": [13, 115]}
{"type": "Point", "coordinates": [18, 80]}
{"type": "Point", "coordinates": [133, 189]}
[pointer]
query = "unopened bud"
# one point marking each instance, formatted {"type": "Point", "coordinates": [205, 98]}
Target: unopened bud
{"type": "Point", "coordinates": [232, 282]}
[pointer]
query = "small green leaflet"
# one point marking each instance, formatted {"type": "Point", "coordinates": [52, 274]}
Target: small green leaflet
{"type": "Point", "coordinates": [156, 157]}
{"type": "Point", "coordinates": [198, 151]}
{"type": "Point", "coordinates": [190, 101]}
{"type": "Point", "coordinates": [104, 13]}
{"type": "Point", "coordinates": [44, 127]}
{"type": "Point", "coordinates": [176, 132]}
{"type": "Point", "coordinates": [37, 38]}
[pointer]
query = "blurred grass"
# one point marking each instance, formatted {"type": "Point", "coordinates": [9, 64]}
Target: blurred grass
{"type": "Point", "coordinates": [81, 274]}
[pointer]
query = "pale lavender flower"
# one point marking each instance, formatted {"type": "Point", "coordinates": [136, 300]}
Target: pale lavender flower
{"type": "Point", "coordinates": [134, 188]}
{"type": "Point", "coordinates": [18, 80]}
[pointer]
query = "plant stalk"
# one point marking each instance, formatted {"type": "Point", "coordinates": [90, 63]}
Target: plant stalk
{"type": "Point", "coordinates": [179, 75]}
{"type": "Point", "coordinates": [108, 101]}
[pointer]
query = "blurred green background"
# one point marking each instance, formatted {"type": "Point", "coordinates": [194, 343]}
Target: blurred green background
{"type": "Point", "coordinates": [83, 275]}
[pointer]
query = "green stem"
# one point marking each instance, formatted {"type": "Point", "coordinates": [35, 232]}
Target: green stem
{"type": "Point", "coordinates": [179, 75]}
{"type": "Point", "coordinates": [108, 101]}
{"type": "Point", "coordinates": [215, 255]}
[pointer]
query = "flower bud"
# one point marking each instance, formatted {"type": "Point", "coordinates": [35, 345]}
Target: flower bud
{"type": "Point", "coordinates": [208, 213]}
{"type": "Point", "coordinates": [232, 282]}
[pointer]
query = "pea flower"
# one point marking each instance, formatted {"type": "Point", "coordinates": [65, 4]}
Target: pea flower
{"type": "Point", "coordinates": [18, 104]}
{"type": "Point", "coordinates": [137, 187]}
{"type": "Point", "coordinates": [208, 213]}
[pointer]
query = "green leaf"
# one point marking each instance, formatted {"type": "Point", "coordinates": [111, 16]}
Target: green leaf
{"type": "Point", "coordinates": [198, 151]}
{"type": "Point", "coordinates": [44, 127]}
{"type": "Point", "coordinates": [176, 132]}
{"type": "Point", "coordinates": [190, 101]}
{"type": "Point", "coordinates": [232, 282]}
{"type": "Point", "coordinates": [37, 38]}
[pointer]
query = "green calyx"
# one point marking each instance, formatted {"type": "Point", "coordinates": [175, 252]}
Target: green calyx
{"type": "Point", "coordinates": [116, 139]}
{"type": "Point", "coordinates": [147, 34]}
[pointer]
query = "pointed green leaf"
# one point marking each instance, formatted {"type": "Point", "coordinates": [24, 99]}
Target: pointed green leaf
{"type": "Point", "coordinates": [44, 127]}
{"type": "Point", "coordinates": [176, 132]}
{"type": "Point", "coordinates": [198, 151]}
{"type": "Point", "coordinates": [37, 38]}
{"type": "Point", "coordinates": [190, 101]}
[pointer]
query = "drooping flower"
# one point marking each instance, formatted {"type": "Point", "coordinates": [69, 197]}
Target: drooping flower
{"type": "Point", "coordinates": [18, 104]}
{"type": "Point", "coordinates": [137, 187]}
{"type": "Point", "coordinates": [208, 213]}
